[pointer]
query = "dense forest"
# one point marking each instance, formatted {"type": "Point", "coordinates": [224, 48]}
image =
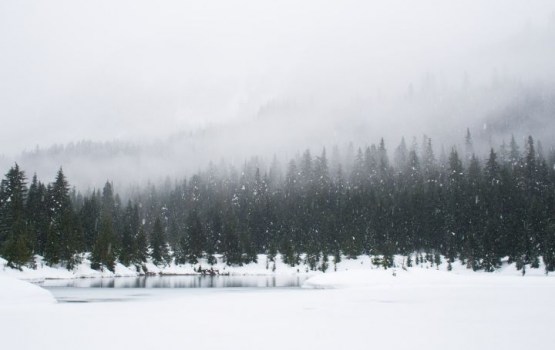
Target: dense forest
{"type": "Point", "coordinates": [478, 209]}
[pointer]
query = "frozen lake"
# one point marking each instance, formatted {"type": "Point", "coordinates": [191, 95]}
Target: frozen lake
{"type": "Point", "coordinates": [132, 288]}
{"type": "Point", "coordinates": [415, 309]}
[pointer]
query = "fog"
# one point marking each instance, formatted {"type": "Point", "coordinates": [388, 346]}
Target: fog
{"type": "Point", "coordinates": [162, 88]}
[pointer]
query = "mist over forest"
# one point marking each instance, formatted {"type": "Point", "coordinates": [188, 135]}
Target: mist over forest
{"type": "Point", "coordinates": [279, 130]}
{"type": "Point", "coordinates": [185, 84]}
{"type": "Point", "coordinates": [292, 174]}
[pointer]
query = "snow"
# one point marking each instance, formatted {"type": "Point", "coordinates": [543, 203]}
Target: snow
{"type": "Point", "coordinates": [43, 271]}
{"type": "Point", "coordinates": [262, 267]}
{"type": "Point", "coordinates": [360, 306]}
{"type": "Point", "coordinates": [14, 292]}
{"type": "Point", "coordinates": [84, 270]}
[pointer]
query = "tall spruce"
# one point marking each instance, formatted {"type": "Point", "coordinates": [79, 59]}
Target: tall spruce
{"type": "Point", "coordinates": [105, 250]}
{"type": "Point", "coordinates": [130, 229]}
{"type": "Point", "coordinates": [37, 214]}
{"type": "Point", "coordinates": [64, 237]}
{"type": "Point", "coordinates": [103, 254]}
{"type": "Point", "coordinates": [160, 253]}
{"type": "Point", "coordinates": [16, 242]}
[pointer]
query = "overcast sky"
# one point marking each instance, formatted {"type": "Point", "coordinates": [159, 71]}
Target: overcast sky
{"type": "Point", "coordinates": [102, 70]}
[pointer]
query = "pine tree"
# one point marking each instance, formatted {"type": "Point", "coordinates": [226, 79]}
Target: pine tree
{"type": "Point", "coordinates": [90, 219]}
{"type": "Point", "coordinates": [514, 153]}
{"type": "Point", "coordinates": [181, 250]}
{"type": "Point", "coordinates": [401, 156]}
{"type": "Point", "coordinates": [103, 254]}
{"type": "Point", "coordinates": [230, 241]}
{"type": "Point", "coordinates": [33, 211]}
{"type": "Point", "coordinates": [468, 147]}
{"type": "Point", "coordinates": [472, 220]}
{"type": "Point", "coordinates": [64, 237]}
{"type": "Point", "coordinates": [142, 247]}
{"type": "Point", "coordinates": [548, 248]}
{"type": "Point", "coordinates": [536, 216]}
{"type": "Point", "coordinates": [16, 244]}
{"type": "Point", "coordinates": [129, 235]}
{"type": "Point", "coordinates": [428, 158]}
{"type": "Point", "coordinates": [454, 219]}
{"type": "Point", "coordinates": [160, 253]}
{"type": "Point", "coordinates": [493, 223]}
{"type": "Point", "coordinates": [196, 237]}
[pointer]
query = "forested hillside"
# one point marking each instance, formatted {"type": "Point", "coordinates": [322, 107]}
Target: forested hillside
{"type": "Point", "coordinates": [461, 205]}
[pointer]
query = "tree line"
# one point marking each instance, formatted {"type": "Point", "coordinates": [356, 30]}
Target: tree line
{"type": "Point", "coordinates": [458, 205]}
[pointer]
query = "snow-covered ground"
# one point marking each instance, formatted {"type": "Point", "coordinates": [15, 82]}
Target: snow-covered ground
{"type": "Point", "coordinates": [362, 307]}
{"type": "Point", "coordinates": [262, 267]}
{"type": "Point", "coordinates": [14, 292]}
{"type": "Point", "coordinates": [84, 270]}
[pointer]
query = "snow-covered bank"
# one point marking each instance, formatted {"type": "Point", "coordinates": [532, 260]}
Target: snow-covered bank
{"type": "Point", "coordinates": [422, 309]}
{"type": "Point", "coordinates": [359, 306]}
{"type": "Point", "coordinates": [83, 270]}
{"type": "Point", "coordinates": [422, 275]}
{"type": "Point", "coordinates": [14, 292]}
{"type": "Point", "coordinates": [262, 267]}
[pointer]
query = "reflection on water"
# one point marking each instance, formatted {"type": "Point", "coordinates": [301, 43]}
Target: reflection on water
{"type": "Point", "coordinates": [120, 289]}
{"type": "Point", "coordinates": [180, 282]}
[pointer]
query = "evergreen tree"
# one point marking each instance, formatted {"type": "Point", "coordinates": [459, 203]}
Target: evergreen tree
{"type": "Point", "coordinates": [468, 147]}
{"type": "Point", "coordinates": [548, 248]}
{"type": "Point", "coordinates": [472, 220]}
{"type": "Point", "coordinates": [428, 158]}
{"type": "Point", "coordinates": [401, 156]}
{"type": "Point", "coordinates": [37, 215]}
{"type": "Point", "coordinates": [514, 153]}
{"type": "Point", "coordinates": [455, 219]}
{"type": "Point", "coordinates": [142, 247]}
{"type": "Point", "coordinates": [493, 223]}
{"type": "Point", "coordinates": [129, 235]}
{"type": "Point", "coordinates": [231, 249]}
{"type": "Point", "coordinates": [90, 219]}
{"type": "Point", "coordinates": [535, 217]}
{"type": "Point", "coordinates": [103, 254]}
{"type": "Point", "coordinates": [160, 254]}
{"type": "Point", "coordinates": [64, 237]}
{"type": "Point", "coordinates": [15, 241]}
{"type": "Point", "coordinates": [195, 237]}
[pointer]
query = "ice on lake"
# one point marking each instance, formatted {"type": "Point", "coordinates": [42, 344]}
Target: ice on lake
{"type": "Point", "coordinates": [133, 288]}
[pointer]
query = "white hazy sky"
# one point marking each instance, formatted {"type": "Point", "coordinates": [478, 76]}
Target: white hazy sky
{"type": "Point", "coordinates": [102, 70]}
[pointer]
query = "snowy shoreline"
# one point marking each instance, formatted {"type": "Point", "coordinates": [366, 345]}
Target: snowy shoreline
{"type": "Point", "coordinates": [369, 303]}
{"type": "Point", "coordinates": [264, 267]}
